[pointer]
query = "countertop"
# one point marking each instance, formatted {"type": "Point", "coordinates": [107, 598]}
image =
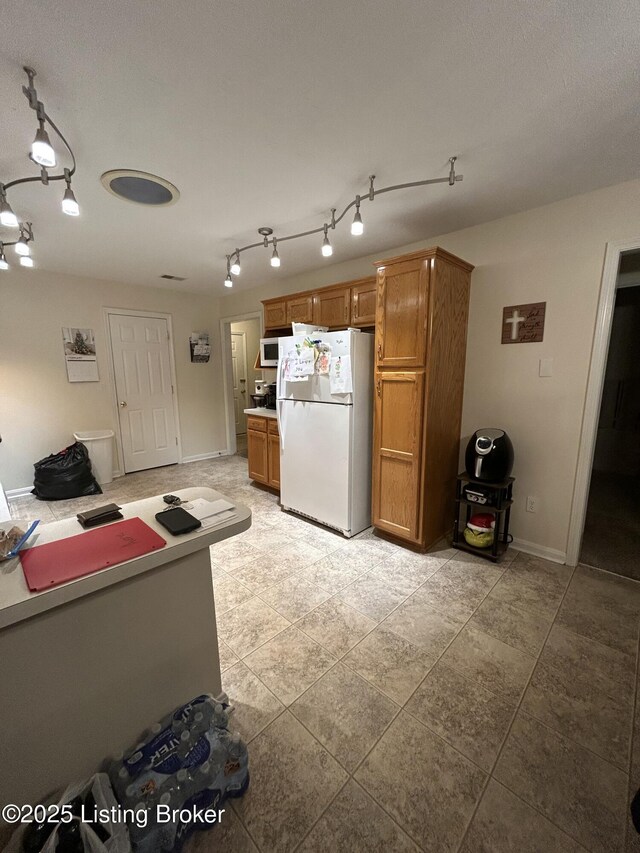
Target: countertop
{"type": "Point", "coordinates": [17, 602]}
{"type": "Point", "coordinates": [262, 412]}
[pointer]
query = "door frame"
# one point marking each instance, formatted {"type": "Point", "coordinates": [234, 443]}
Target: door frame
{"type": "Point", "coordinates": [246, 368]}
{"type": "Point", "coordinates": [227, 384]}
{"type": "Point", "coordinates": [593, 398]}
{"type": "Point", "coordinates": [156, 315]}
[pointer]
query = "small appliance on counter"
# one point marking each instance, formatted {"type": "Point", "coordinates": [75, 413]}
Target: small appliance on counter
{"type": "Point", "coordinates": [271, 396]}
{"type": "Point", "coordinates": [259, 397]}
{"type": "Point", "coordinates": [489, 456]}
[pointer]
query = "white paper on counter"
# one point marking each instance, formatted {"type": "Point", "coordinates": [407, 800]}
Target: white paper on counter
{"type": "Point", "coordinates": [340, 378]}
{"type": "Point", "coordinates": [210, 513]}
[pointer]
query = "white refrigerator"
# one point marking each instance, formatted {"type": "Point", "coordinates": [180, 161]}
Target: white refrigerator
{"type": "Point", "coordinates": [325, 436]}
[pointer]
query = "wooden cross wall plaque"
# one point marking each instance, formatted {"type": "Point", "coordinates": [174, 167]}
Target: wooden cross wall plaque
{"type": "Point", "coordinates": [523, 324]}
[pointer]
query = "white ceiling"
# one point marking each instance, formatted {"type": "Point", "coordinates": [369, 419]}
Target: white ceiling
{"type": "Point", "coordinates": [272, 112]}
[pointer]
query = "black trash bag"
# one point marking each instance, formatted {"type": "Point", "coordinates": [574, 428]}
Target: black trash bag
{"type": "Point", "coordinates": [66, 474]}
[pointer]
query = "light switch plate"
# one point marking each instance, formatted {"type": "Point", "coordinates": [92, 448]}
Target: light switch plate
{"type": "Point", "coordinates": [546, 367]}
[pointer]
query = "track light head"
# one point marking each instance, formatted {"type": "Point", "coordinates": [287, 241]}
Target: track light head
{"type": "Point", "coordinates": [26, 261]}
{"type": "Point", "coordinates": [327, 248]}
{"type": "Point", "coordinates": [69, 204]}
{"type": "Point", "coordinates": [235, 266]}
{"type": "Point", "coordinates": [22, 247]}
{"type": "Point", "coordinates": [275, 257]}
{"type": "Point", "coordinates": [228, 282]}
{"type": "Point", "coordinates": [357, 226]}
{"type": "Point", "coordinates": [3, 261]}
{"type": "Point", "coordinates": [7, 216]}
{"type": "Point", "coordinates": [42, 149]}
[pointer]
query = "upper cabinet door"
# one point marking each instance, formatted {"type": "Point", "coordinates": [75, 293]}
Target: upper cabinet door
{"type": "Point", "coordinates": [275, 314]}
{"type": "Point", "coordinates": [331, 308]}
{"type": "Point", "coordinates": [363, 303]}
{"type": "Point", "coordinates": [300, 309]}
{"type": "Point", "coordinates": [401, 318]}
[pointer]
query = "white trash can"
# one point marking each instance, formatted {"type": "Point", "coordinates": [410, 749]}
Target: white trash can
{"type": "Point", "coordinates": [99, 443]}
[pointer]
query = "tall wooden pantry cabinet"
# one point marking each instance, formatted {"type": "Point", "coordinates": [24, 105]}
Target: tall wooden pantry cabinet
{"type": "Point", "coordinates": [421, 335]}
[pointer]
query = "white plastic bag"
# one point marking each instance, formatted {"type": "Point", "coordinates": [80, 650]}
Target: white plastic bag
{"type": "Point", "coordinates": [100, 786]}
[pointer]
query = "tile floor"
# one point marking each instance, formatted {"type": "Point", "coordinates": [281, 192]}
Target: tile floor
{"type": "Point", "coordinates": [399, 702]}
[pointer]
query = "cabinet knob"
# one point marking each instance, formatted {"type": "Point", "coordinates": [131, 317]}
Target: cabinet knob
{"type": "Point", "coordinates": [123, 404]}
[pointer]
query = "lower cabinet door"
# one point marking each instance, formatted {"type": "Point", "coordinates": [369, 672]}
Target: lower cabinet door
{"type": "Point", "coordinates": [274, 460]}
{"type": "Point", "coordinates": [257, 453]}
{"type": "Point", "coordinates": [397, 442]}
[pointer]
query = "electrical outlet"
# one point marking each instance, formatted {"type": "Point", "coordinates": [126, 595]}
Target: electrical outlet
{"type": "Point", "coordinates": [532, 503]}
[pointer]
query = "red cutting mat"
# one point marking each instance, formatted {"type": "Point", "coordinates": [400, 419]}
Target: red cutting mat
{"type": "Point", "coordinates": [71, 558]}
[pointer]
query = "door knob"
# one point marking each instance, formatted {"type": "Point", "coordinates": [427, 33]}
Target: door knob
{"type": "Point", "coordinates": [122, 404]}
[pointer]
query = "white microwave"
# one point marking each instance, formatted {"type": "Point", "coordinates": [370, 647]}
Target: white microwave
{"type": "Point", "coordinates": [269, 352]}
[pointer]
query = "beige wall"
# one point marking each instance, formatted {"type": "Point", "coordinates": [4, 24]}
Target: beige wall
{"type": "Point", "coordinates": [553, 254]}
{"type": "Point", "coordinates": [40, 409]}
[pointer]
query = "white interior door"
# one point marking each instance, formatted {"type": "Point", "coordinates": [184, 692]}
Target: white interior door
{"type": "Point", "coordinates": [142, 368]}
{"type": "Point", "coordinates": [239, 379]}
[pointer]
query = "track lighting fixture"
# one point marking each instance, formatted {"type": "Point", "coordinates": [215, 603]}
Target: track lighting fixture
{"type": "Point", "coordinates": [3, 261]}
{"type": "Point", "coordinates": [44, 155]}
{"type": "Point", "coordinates": [7, 216]}
{"type": "Point", "coordinates": [327, 248]}
{"type": "Point", "coordinates": [357, 226]}
{"type": "Point", "coordinates": [228, 282]}
{"type": "Point", "coordinates": [275, 257]}
{"type": "Point", "coordinates": [69, 204]}
{"type": "Point", "coordinates": [21, 247]}
{"type": "Point", "coordinates": [235, 266]}
{"type": "Point", "coordinates": [42, 149]}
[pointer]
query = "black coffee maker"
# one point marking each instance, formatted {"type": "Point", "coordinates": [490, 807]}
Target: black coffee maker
{"type": "Point", "coordinates": [489, 455]}
{"type": "Point", "coordinates": [271, 396]}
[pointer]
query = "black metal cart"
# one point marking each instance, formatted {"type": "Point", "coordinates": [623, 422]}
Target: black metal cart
{"type": "Point", "coordinates": [501, 506]}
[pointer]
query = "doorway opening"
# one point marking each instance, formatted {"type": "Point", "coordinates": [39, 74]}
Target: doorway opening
{"type": "Point", "coordinates": [612, 522]}
{"type": "Point", "coordinates": [241, 344]}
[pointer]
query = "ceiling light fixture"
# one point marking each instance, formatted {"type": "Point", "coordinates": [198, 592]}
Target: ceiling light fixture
{"type": "Point", "coordinates": [357, 226]}
{"type": "Point", "coordinates": [21, 246]}
{"type": "Point", "coordinates": [235, 266]}
{"type": "Point", "coordinates": [44, 155]}
{"type": "Point", "coordinates": [275, 257]}
{"type": "Point", "coordinates": [327, 248]}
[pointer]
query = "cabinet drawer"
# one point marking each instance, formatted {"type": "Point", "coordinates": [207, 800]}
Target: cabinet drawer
{"type": "Point", "coordinates": [259, 424]}
{"type": "Point", "coordinates": [272, 426]}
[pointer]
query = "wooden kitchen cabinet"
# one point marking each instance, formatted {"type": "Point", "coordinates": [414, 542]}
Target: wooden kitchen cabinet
{"type": "Point", "coordinates": [263, 450]}
{"type": "Point", "coordinates": [332, 307]}
{"type": "Point", "coordinates": [300, 309]}
{"type": "Point", "coordinates": [421, 331]}
{"type": "Point", "coordinates": [275, 313]}
{"type": "Point", "coordinates": [350, 303]}
{"type": "Point", "coordinates": [398, 445]}
{"type": "Point", "coordinates": [363, 303]}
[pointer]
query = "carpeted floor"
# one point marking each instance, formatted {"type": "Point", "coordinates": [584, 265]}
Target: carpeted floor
{"type": "Point", "coordinates": [612, 528]}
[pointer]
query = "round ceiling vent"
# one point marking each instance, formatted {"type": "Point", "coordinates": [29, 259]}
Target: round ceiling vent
{"type": "Point", "coordinates": [140, 187]}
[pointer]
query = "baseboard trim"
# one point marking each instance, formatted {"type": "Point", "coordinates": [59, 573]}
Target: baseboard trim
{"type": "Point", "coordinates": [535, 550]}
{"type": "Point", "coordinates": [199, 457]}
{"type": "Point", "coordinates": [18, 493]}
